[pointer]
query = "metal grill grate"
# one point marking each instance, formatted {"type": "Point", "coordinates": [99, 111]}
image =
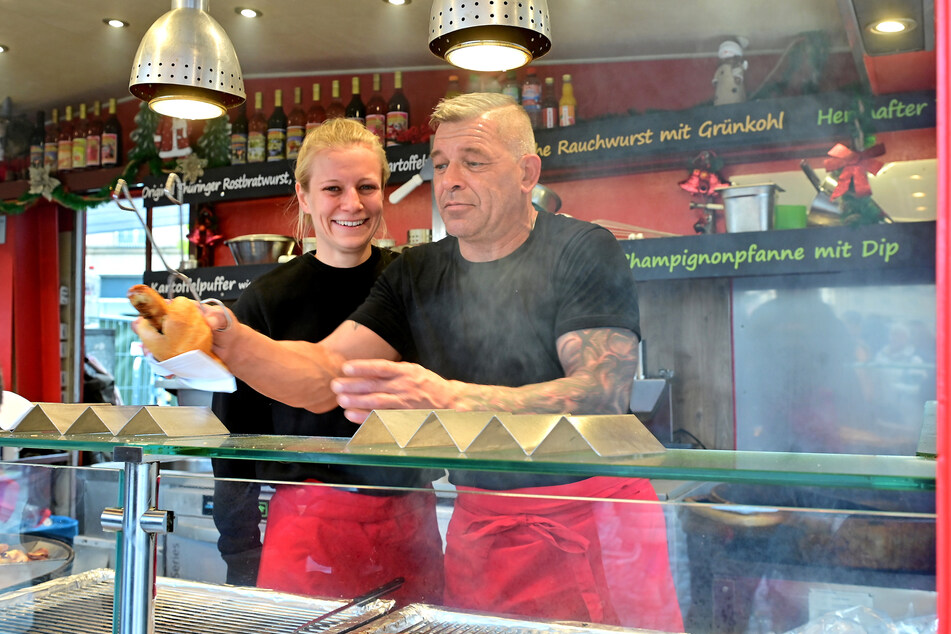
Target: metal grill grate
{"type": "Point", "coordinates": [83, 603]}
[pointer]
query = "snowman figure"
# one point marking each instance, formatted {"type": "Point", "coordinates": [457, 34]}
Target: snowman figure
{"type": "Point", "coordinates": [728, 80]}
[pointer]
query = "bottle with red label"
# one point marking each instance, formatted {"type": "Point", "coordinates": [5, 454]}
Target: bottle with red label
{"type": "Point", "coordinates": [296, 126]}
{"type": "Point", "coordinates": [110, 151]}
{"type": "Point", "coordinates": [94, 137]}
{"type": "Point", "coordinates": [64, 143]}
{"type": "Point", "coordinates": [316, 113]}
{"type": "Point", "coordinates": [376, 111]}
{"type": "Point", "coordinates": [51, 144]}
{"type": "Point", "coordinates": [257, 132]}
{"type": "Point", "coordinates": [397, 111]}
{"type": "Point", "coordinates": [79, 140]}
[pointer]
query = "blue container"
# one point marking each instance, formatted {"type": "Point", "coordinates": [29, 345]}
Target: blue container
{"type": "Point", "coordinates": [58, 527]}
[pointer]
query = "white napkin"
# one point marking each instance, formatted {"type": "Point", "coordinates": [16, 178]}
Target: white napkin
{"type": "Point", "coordinates": [12, 410]}
{"type": "Point", "coordinates": [196, 370]}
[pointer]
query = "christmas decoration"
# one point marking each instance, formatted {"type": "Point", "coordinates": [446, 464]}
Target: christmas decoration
{"type": "Point", "coordinates": [728, 80]}
{"type": "Point", "coordinates": [214, 145]}
{"type": "Point", "coordinates": [205, 235]}
{"type": "Point", "coordinates": [703, 182]}
{"type": "Point", "coordinates": [171, 137]}
{"type": "Point", "coordinates": [191, 168]}
{"type": "Point", "coordinates": [42, 183]}
{"type": "Point", "coordinates": [851, 169]}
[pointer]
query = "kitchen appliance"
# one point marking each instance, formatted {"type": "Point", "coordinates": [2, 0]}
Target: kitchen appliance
{"type": "Point", "coordinates": [260, 248]}
{"type": "Point", "coordinates": [823, 210]}
{"type": "Point", "coordinates": [749, 207]}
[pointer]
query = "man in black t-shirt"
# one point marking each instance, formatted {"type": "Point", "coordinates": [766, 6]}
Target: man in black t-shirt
{"type": "Point", "coordinates": [518, 311]}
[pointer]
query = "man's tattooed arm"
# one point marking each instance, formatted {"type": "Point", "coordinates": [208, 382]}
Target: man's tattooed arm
{"type": "Point", "coordinates": [599, 366]}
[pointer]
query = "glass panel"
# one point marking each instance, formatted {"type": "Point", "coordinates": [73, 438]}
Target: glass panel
{"type": "Point", "coordinates": [883, 472]}
{"type": "Point", "coordinates": [53, 512]}
{"type": "Point", "coordinates": [824, 367]}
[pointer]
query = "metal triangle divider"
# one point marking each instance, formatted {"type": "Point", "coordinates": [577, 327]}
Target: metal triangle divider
{"type": "Point", "coordinates": [51, 417]}
{"type": "Point", "coordinates": [530, 430]}
{"type": "Point", "coordinates": [495, 437]}
{"type": "Point", "coordinates": [112, 417]}
{"type": "Point", "coordinates": [564, 437]}
{"type": "Point", "coordinates": [615, 435]}
{"type": "Point", "coordinates": [463, 428]}
{"type": "Point", "coordinates": [174, 422]}
{"type": "Point", "coordinates": [389, 427]}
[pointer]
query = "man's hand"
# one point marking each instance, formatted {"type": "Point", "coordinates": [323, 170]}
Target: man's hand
{"type": "Point", "coordinates": [371, 384]}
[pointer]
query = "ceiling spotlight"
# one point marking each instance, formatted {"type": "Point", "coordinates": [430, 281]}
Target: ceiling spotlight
{"type": "Point", "coordinates": [489, 36]}
{"type": "Point", "coordinates": [115, 23]}
{"type": "Point", "coordinates": [186, 66]}
{"type": "Point", "coordinates": [4, 48]}
{"type": "Point", "coordinates": [892, 25]}
{"type": "Point", "coordinates": [248, 13]}
{"type": "Point", "coordinates": [397, 2]}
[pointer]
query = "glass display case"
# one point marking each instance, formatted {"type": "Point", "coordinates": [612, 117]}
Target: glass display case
{"type": "Point", "coordinates": [753, 541]}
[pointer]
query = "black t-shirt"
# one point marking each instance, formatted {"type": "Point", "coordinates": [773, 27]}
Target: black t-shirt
{"type": "Point", "coordinates": [302, 300]}
{"type": "Point", "coordinates": [496, 323]}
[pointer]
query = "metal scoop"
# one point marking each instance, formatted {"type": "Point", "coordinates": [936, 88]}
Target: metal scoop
{"type": "Point", "coordinates": [823, 210]}
{"type": "Point", "coordinates": [425, 174]}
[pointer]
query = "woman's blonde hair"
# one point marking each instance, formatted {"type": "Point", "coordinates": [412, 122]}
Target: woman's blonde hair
{"type": "Point", "coordinates": [332, 134]}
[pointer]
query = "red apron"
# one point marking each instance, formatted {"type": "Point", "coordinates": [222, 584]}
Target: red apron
{"type": "Point", "coordinates": [542, 557]}
{"type": "Point", "coordinates": [322, 541]}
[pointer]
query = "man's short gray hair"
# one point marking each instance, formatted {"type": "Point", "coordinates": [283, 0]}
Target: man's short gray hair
{"type": "Point", "coordinates": [514, 124]}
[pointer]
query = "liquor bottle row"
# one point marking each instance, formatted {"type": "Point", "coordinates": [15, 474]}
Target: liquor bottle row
{"type": "Point", "coordinates": [90, 141]}
{"type": "Point", "coordinates": [256, 138]}
{"type": "Point", "coordinates": [535, 95]}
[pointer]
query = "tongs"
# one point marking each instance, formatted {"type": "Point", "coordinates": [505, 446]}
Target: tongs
{"type": "Point", "coordinates": [121, 191]}
{"type": "Point", "coordinates": [356, 602]}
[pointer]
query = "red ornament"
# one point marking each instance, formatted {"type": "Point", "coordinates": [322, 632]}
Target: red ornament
{"type": "Point", "coordinates": [855, 168]}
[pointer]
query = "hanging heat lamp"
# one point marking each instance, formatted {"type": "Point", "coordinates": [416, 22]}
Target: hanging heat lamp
{"type": "Point", "coordinates": [489, 35]}
{"type": "Point", "coordinates": [186, 66]}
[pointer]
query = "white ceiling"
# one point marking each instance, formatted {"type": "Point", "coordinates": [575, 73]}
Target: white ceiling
{"type": "Point", "coordinates": [61, 52]}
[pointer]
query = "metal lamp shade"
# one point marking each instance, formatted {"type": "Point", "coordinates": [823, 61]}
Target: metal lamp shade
{"type": "Point", "coordinates": [186, 65]}
{"type": "Point", "coordinates": [489, 35]}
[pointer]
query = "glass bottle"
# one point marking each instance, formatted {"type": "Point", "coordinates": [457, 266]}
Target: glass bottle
{"type": "Point", "coordinates": [111, 144]}
{"type": "Point", "coordinates": [239, 136]}
{"type": "Point", "coordinates": [549, 105]}
{"type": "Point", "coordinates": [79, 140]}
{"type": "Point", "coordinates": [356, 109]}
{"type": "Point", "coordinates": [376, 111]}
{"type": "Point", "coordinates": [64, 149]}
{"type": "Point", "coordinates": [51, 143]}
{"type": "Point", "coordinates": [277, 130]}
{"type": "Point", "coordinates": [296, 126]}
{"type": "Point", "coordinates": [567, 104]}
{"type": "Point", "coordinates": [532, 97]}
{"type": "Point", "coordinates": [94, 137]}
{"type": "Point", "coordinates": [335, 109]}
{"type": "Point", "coordinates": [38, 140]}
{"type": "Point", "coordinates": [510, 86]}
{"type": "Point", "coordinates": [316, 114]}
{"type": "Point", "coordinates": [452, 90]}
{"type": "Point", "coordinates": [257, 132]}
{"type": "Point", "coordinates": [397, 111]}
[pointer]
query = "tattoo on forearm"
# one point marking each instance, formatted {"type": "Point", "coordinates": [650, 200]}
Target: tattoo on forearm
{"type": "Point", "coordinates": [599, 366]}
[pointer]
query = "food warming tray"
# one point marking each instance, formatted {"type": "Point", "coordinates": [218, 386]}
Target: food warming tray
{"type": "Point", "coordinates": [426, 619]}
{"type": "Point", "coordinates": [83, 603]}
{"type": "Point", "coordinates": [15, 575]}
